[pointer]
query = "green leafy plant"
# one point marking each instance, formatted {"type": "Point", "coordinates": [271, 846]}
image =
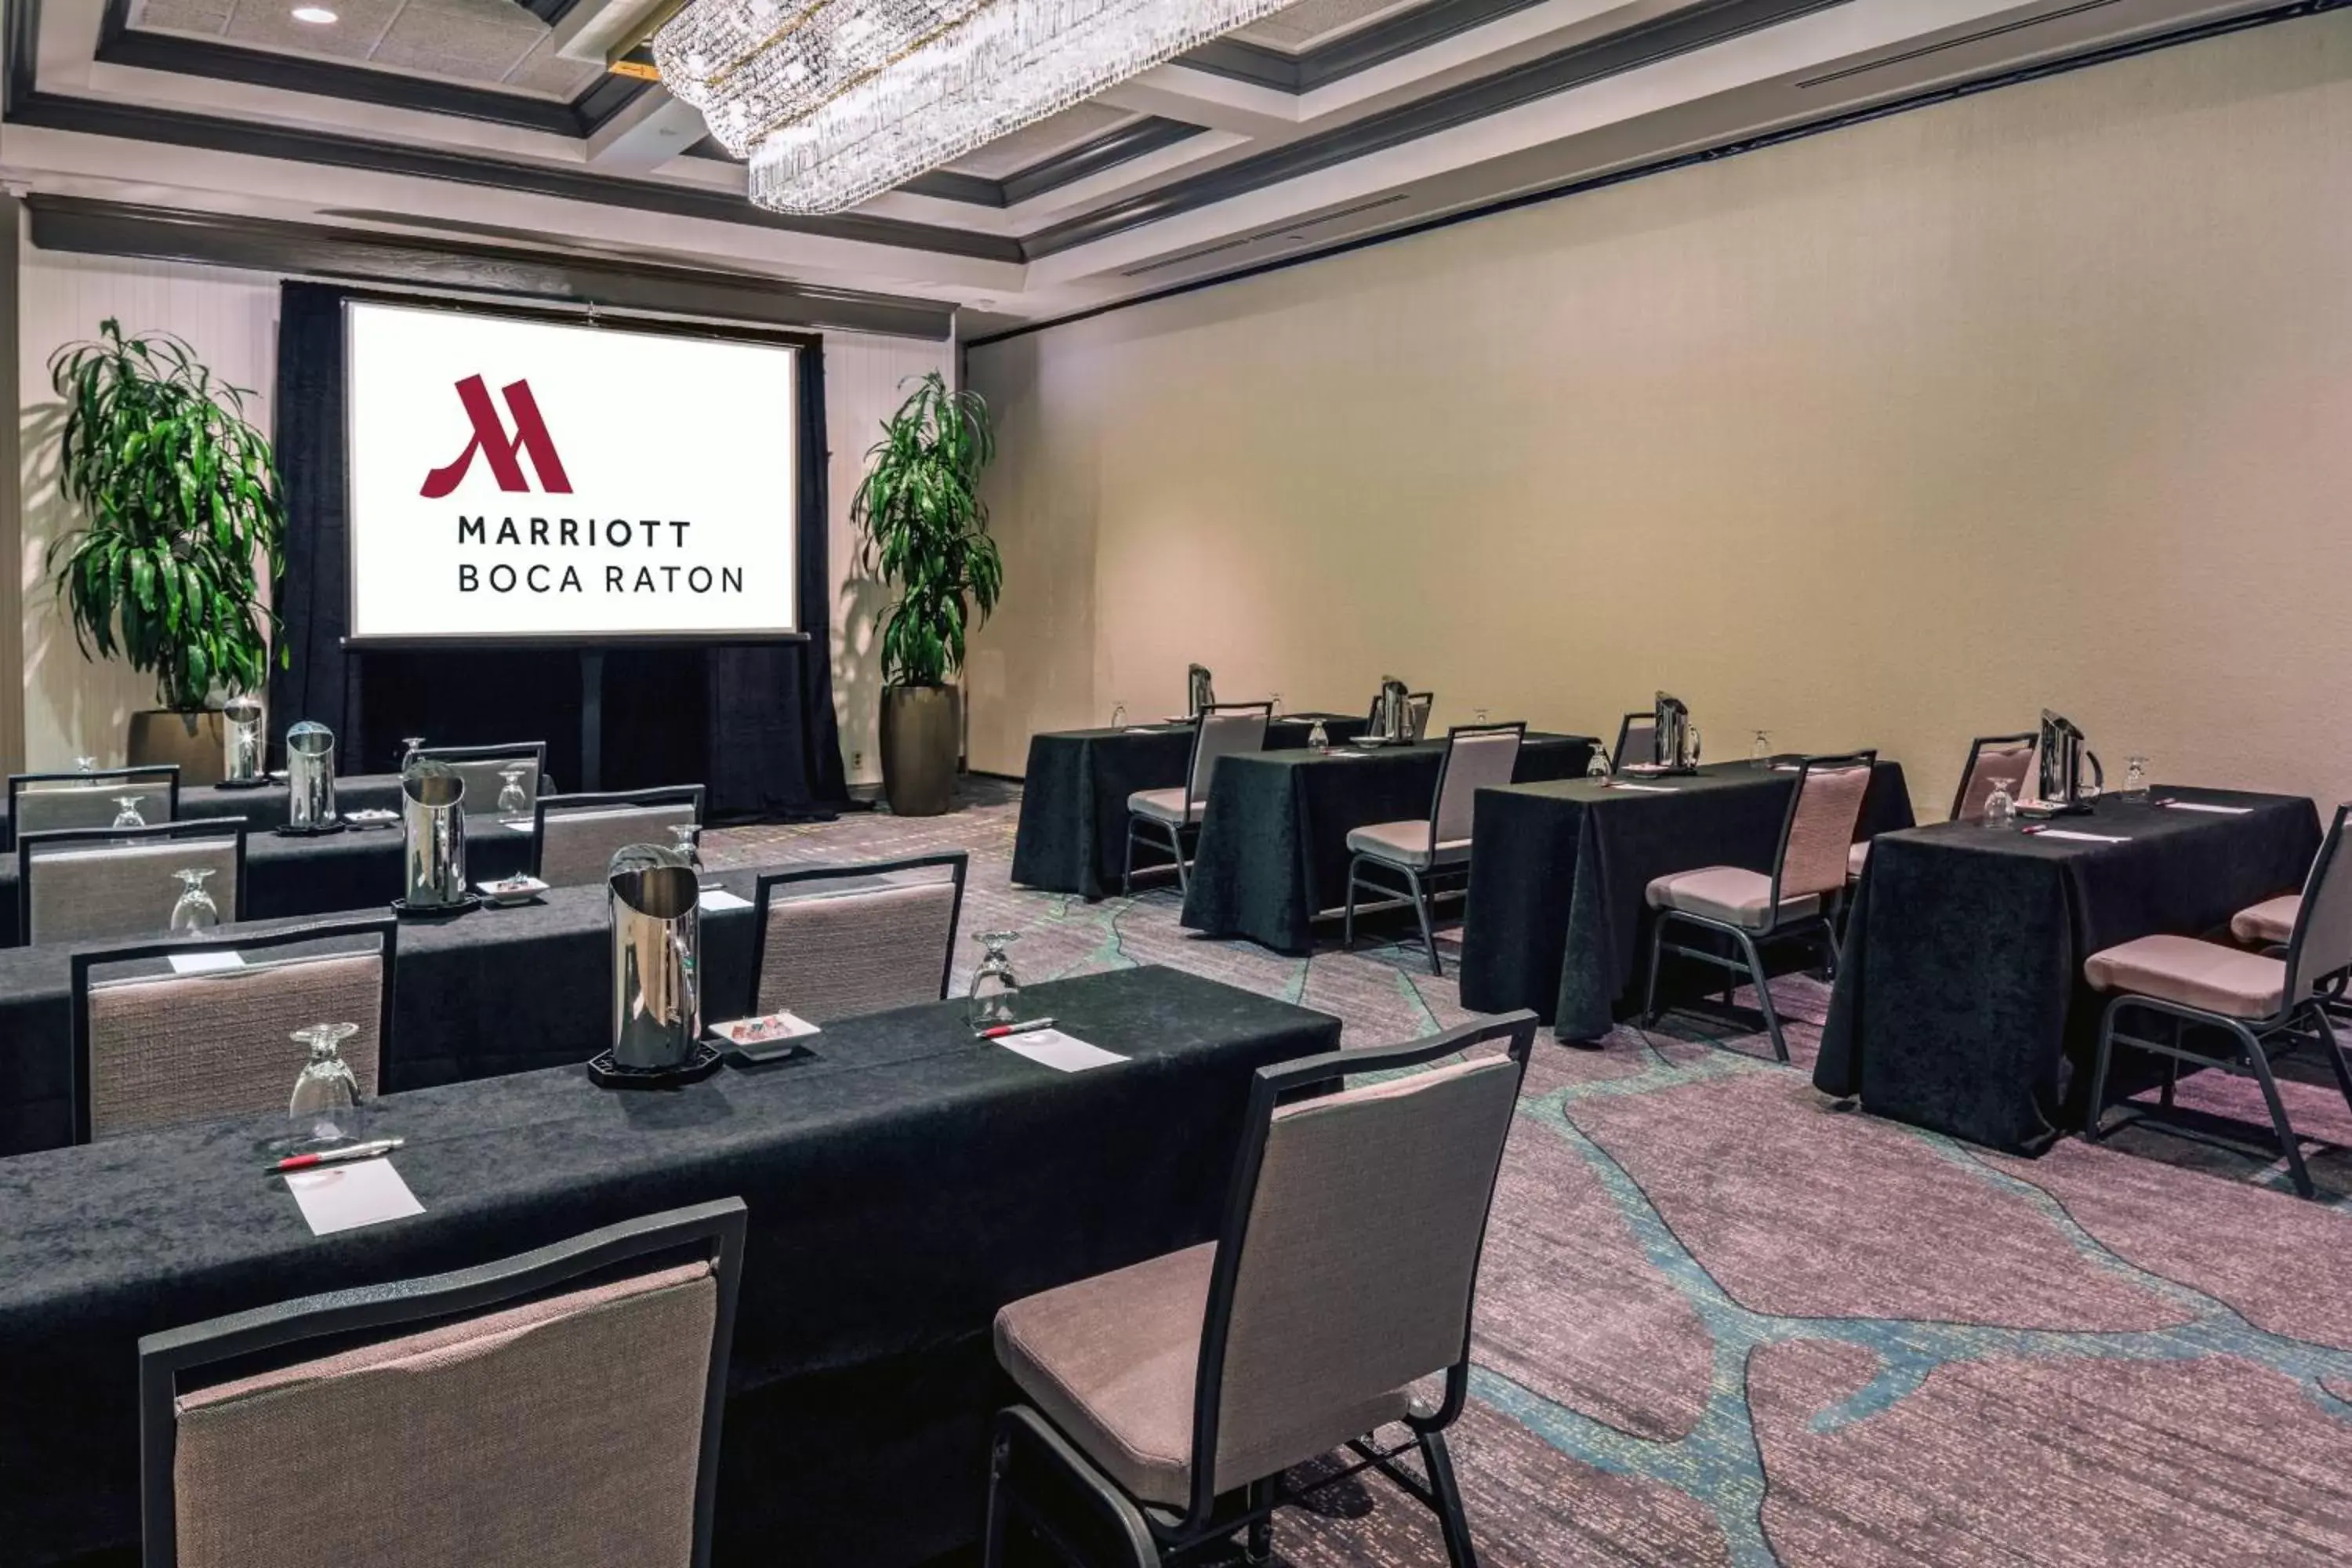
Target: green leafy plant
{"type": "Point", "coordinates": [180, 499]}
{"type": "Point", "coordinates": [926, 530]}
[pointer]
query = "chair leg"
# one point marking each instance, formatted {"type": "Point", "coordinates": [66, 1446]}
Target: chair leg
{"type": "Point", "coordinates": [1184, 872]}
{"type": "Point", "coordinates": [1258, 1540]}
{"type": "Point", "coordinates": [1650, 991]}
{"type": "Point", "coordinates": [1764, 994]}
{"type": "Point", "coordinates": [1127, 877]}
{"type": "Point", "coordinates": [1421, 911]}
{"type": "Point", "coordinates": [2288, 1144]}
{"type": "Point", "coordinates": [991, 1545]}
{"type": "Point", "coordinates": [1348, 935]}
{"type": "Point", "coordinates": [1446, 1494]}
{"type": "Point", "coordinates": [2098, 1107]}
{"type": "Point", "coordinates": [2334, 1050]}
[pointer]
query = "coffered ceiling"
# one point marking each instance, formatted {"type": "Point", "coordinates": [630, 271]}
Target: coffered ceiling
{"type": "Point", "coordinates": [402, 131]}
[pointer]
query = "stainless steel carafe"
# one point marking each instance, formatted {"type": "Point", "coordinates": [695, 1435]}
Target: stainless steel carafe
{"type": "Point", "coordinates": [433, 836]}
{"type": "Point", "coordinates": [656, 904]}
{"type": "Point", "coordinates": [1391, 722]}
{"type": "Point", "coordinates": [1670, 737]}
{"type": "Point", "coordinates": [241, 740]}
{"type": "Point", "coordinates": [1200, 693]}
{"type": "Point", "coordinates": [310, 775]}
{"type": "Point", "coordinates": [2063, 756]}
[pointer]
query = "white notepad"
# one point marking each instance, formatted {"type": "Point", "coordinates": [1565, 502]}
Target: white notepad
{"type": "Point", "coordinates": [720, 898]}
{"type": "Point", "coordinates": [2084, 838]}
{"type": "Point", "coordinates": [344, 1197]}
{"type": "Point", "coordinates": [1052, 1048]}
{"type": "Point", "coordinates": [2201, 805]}
{"type": "Point", "coordinates": [199, 962]}
{"type": "Point", "coordinates": [1645, 789]}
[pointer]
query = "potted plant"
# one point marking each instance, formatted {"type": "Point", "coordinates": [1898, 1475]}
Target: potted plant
{"type": "Point", "coordinates": [180, 499]}
{"type": "Point", "coordinates": [926, 534]}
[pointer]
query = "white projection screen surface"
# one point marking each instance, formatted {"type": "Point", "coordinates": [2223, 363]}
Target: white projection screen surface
{"type": "Point", "coordinates": [514, 479]}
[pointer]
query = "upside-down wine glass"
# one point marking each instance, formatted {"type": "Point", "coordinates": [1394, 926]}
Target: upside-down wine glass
{"type": "Point", "coordinates": [996, 996]}
{"type": "Point", "coordinates": [195, 911]}
{"type": "Point", "coordinates": [1759, 751]}
{"type": "Point", "coordinates": [1999, 806]}
{"type": "Point", "coordinates": [513, 800]}
{"type": "Point", "coordinates": [325, 1105]}
{"type": "Point", "coordinates": [127, 810]}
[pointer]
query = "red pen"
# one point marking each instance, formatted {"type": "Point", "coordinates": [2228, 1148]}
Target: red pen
{"type": "Point", "coordinates": [1002, 1030]}
{"type": "Point", "coordinates": [337, 1156]}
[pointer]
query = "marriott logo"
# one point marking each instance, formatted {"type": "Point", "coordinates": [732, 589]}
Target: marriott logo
{"type": "Point", "coordinates": [494, 445]}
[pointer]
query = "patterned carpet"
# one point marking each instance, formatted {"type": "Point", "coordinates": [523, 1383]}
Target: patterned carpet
{"type": "Point", "coordinates": [1722, 1320]}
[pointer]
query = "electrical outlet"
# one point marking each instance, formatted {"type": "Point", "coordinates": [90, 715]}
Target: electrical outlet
{"type": "Point", "coordinates": [857, 761]}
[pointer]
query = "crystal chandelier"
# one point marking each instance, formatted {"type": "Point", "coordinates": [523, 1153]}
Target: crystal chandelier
{"type": "Point", "coordinates": [834, 101]}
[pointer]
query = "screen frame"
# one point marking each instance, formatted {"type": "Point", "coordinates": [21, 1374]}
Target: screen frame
{"type": "Point", "coordinates": [589, 317]}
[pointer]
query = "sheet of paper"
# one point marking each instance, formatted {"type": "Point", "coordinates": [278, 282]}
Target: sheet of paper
{"type": "Point", "coordinates": [1145, 730]}
{"type": "Point", "coordinates": [1052, 1048]}
{"type": "Point", "coordinates": [720, 898]}
{"type": "Point", "coordinates": [518, 825]}
{"type": "Point", "coordinates": [2201, 805]}
{"type": "Point", "coordinates": [1646, 789]}
{"type": "Point", "coordinates": [2082, 837]}
{"type": "Point", "coordinates": [344, 1197]}
{"type": "Point", "coordinates": [199, 962]}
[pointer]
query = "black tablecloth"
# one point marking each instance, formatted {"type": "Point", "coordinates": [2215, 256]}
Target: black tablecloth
{"type": "Point", "coordinates": [902, 1186]}
{"type": "Point", "coordinates": [266, 806]}
{"type": "Point", "coordinates": [1558, 916]}
{"type": "Point", "coordinates": [351, 869]}
{"type": "Point", "coordinates": [1274, 845]}
{"type": "Point", "coordinates": [1960, 1003]}
{"type": "Point", "coordinates": [489, 992]}
{"type": "Point", "coordinates": [1072, 833]}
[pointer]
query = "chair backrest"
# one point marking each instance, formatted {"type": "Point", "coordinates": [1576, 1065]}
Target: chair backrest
{"type": "Point", "coordinates": [1349, 1251]}
{"type": "Point", "coordinates": [2321, 944]}
{"type": "Point", "coordinates": [1818, 832]}
{"type": "Point", "coordinates": [1224, 730]}
{"type": "Point", "coordinates": [49, 803]}
{"type": "Point", "coordinates": [93, 882]}
{"type": "Point", "coordinates": [1417, 705]}
{"type": "Point", "coordinates": [483, 769]}
{"type": "Point", "coordinates": [574, 836]}
{"type": "Point", "coordinates": [560, 1407]}
{"type": "Point", "coordinates": [1636, 740]}
{"type": "Point", "coordinates": [153, 1049]}
{"type": "Point", "coordinates": [1477, 756]}
{"type": "Point", "coordinates": [826, 950]}
{"type": "Point", "coordinates": [1993, 760]}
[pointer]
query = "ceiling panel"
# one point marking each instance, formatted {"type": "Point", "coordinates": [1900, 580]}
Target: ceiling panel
{"type": "Point", "coordinates": [1297, 28]}
{"type": "Point", "coordinates": [484, 43]}
{"type": "Point", "coordinates": [1034, 144]}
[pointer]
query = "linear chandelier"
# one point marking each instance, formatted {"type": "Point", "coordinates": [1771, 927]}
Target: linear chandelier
{"type": "Point", "coordinates": [835, 102]}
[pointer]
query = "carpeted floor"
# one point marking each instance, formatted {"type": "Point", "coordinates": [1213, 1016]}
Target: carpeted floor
{"type": "Point", "coordinates": [1722, 1320]}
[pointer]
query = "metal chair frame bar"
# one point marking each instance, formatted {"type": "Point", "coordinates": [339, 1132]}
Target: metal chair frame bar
{"type": "Point", "coordinates": [1423, 885]}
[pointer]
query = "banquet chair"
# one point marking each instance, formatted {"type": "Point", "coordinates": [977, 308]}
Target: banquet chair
{"type": "Point", "coordinates": [560, 1405]}
{"type": "Point", "coordinates": [483, 768]}
{"type": "Point", "coordinates": [46, 803]}
{"type": "Point", "coordinates": [833, 942]}
{"type": "Point", "coordinates": [1992, 760]}
{"type": "Point", "coordinates": [1794, 901]}
{"type": "Point", "coordinates": [1636, 740]}
{"type": "Point", "coordinates": [1419, 854]}
{"type": "Point", "coordinates": [83, 883]}
{"type": "Point", "coordinates": [1166, 816]}
{"type": "Point", "coordinates": [1165, 1400]}
{"type": "Point", "coordinates": [2254, 1000]}
{"type": "Point", "coordinates": [574, 836]}
{"type": "Point", "coordinates": [152, 1049]}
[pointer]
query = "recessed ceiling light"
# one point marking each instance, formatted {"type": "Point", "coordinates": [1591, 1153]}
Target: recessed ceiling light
{"type": "Point", "coordinates": [317, 16]}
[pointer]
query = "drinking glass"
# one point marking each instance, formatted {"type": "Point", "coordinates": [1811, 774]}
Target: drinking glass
{"type": "Point", "coordinates": [195, 911]}
{"type": "Point", "coordinates": [689, 841]}
{"type": "Point", "coordinates": [2001, 807]}
{"type": "Point", "coordinates": [127, 812]}
{"type": "Point", "coordinates": [1319, 739]}
{"type": "Point", "coordinates": [996, 996]}
{"type": "Point", "coordinates": [409, 746]}
{"type": "Point", "coordinates": [1759, 751]}
{"type": "Point", "coordinates": [325, 1106]}
{"type": "Point", "coordinates": [85, 764]}
{"type": "Point", "coordinates": [513, 801]}
{"type": "Point", "coordinates": [2134, 778]}
{"type": "Point", "coordinates": [1275, 710]}
{"type": "Point", "coordinates": [1596, 766]}
{"type": "Point", "coordinates": [1119, 715]}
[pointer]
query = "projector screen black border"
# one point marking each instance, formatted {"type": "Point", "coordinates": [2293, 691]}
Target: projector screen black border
{"type": "Point", "coordinates": [589, 315]}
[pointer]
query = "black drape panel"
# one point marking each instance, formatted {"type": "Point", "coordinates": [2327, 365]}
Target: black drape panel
{"type": "Point", "coordinates": [313, 606]}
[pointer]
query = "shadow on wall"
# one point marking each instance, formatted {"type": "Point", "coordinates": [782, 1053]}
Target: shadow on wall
{"type": "Point", "coordinates": [73, 707]}
{"type": "Point", "coordinates": [857, 671]}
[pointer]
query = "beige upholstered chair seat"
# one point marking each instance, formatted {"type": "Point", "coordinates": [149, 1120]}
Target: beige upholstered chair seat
{"type": "Point", "coordinates": [1164, 806]}
{"type": "Point", "coordinates": [1406, 843]}
{"type": "Point", "coordinates": [1729, 894]}
{"type": "Point", "coordinates": [1110, 1361]}
{"type": "Point", "coordinates": [2270, 922]}
{"type": "Point", "coordinates": [2202, 975]}
{"type": "Point", "coordinates": [1857, 857]}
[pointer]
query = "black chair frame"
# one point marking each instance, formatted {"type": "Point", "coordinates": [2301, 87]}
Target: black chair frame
{"type": "Point", "coordinates": [30, 844]}
{"type": "Point", "coordinates": [166, 773]}
{"type": "Point", "coordinates": [1822, 925]}
{"type": "Point", "coordinates": [667, 794]}
{"type": "Point", "coordinates": [1178, 833]}
{"type": "Point", "coordinates": [86, 959]}
{"type": "Point", "coordinates": [1976, 750]}
{"type": "Point", "coordinates": [1151, 1533]}
{"type": "Point", "coordinates": [1422, 888]}
{"type": "Point", "coordinates": [958, 861]}
{"type": "Point", "coordinates": [1618, 759]}
{"type": "Point", "coordinates": [715, 1229]}
{"type": "Point", "coordinates": [2300, 1021]}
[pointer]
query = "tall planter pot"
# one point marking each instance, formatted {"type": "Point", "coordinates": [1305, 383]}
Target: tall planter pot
{"type": "Point", "coordinates": [197, 741]}
{"type": "Point", "coordinates": [919, 750]}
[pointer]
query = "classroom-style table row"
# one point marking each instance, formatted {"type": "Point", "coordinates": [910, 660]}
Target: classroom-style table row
{"type": "Point", "coordinates": [264, 806]}
{"type": "Point", "coordinates": [903, 1183]}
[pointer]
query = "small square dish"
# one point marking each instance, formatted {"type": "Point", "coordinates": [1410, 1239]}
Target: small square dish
{"type": "Point", "coordinates": [765, 1030]}
{"type": "Point", "coordinates": [508, 891]}
{"type": "Point", "coordinates": [370, 816]}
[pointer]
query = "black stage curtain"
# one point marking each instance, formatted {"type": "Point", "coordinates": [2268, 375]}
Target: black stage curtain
{"type": "Point", "coordinates": [767, 744]}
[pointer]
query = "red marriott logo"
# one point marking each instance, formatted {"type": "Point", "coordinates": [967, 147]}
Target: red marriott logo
{"type": "Point", "coordinates": [501, 450]}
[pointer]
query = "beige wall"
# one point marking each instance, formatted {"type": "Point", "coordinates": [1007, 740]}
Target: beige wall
{"type": "Point", "coordinates": [1887, 436]}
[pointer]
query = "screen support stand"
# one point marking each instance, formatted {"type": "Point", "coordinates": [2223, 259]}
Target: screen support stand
{"type": "Point", "coordinates": [592, 719]}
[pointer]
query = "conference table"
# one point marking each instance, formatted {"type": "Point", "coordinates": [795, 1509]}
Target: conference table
{"type": "Point", "coordinates": [1273, 855]}
{"type": "Point", "coordinates": [903, 1183]}
{"type": "Point", "coordinates": [1559, 913]}
{"type": "Point", "coordinates": [1072, 836]}
{"type": "Point", "coordinates": [489, 992]}
{"type": "Point", "coordinates": [265, 806]}
{"type": "Point", "coordinates": [284, 876]}
{"type": "Point", "coordinates": [1960, 1003]}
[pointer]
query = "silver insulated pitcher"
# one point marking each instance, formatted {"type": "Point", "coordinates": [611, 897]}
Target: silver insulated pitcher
{"type": "Point", "coordinates": [433, 837]}
{"type": "Point", "coordinates": [1200, 691]}
{"type": "Point", "coordinates": [654, 900]}
{"type": "Point", "coordinates": [241, 741]}
{"type": "Point", "coordinates": [1670, 738]}
{"type": "Point", "coordinates": [309, 776]}
{"type": "Point", "coordinates": [1389, 720]}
